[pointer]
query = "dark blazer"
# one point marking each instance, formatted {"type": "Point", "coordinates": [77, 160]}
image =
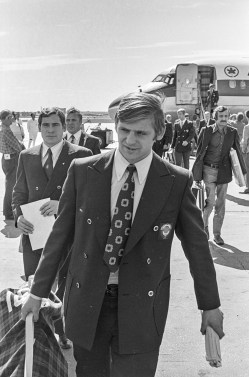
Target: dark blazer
{"type": "Point", "coordinates": [186, 133]}
{"type": "Point", "coordinates": [32, 184]}
{"type": "Point", "coordinates": [212, 98]}
{"type": "Point", "coordinates": [89, 141]}
{"type": "Point", "coordinates": [167, 205]}
{"type": "Point", "coordinates": [231, 140]}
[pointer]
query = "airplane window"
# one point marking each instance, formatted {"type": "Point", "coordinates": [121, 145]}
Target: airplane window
{"type": "Point", "coordinates": [242, 84]}
{"type": "Point", "coordinates": [232, 84]}
{"type": "Point", "coordinates": [159, 78]}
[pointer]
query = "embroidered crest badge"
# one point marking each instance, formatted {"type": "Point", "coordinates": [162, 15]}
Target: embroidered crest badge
{"type": "Point", "coordinates": [164, 231]}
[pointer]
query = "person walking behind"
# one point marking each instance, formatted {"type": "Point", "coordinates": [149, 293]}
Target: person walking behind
{"type": "Point", "coordinates": [213, 165]}
{"type": "Point", "coordinates": [245, 150]}
{"type": "Point", "coordinates": [184, 132]}
{"type": "Point", "coordinates": [10, 147]}
{"type": "Point", "coordinates": [17, 128]}
{"type": "Point", "coordinates": [239, 124]}
{"type": "Point", "coordinates": [32, 127]}
{"type": "Point", "coordinates": [121, 209]}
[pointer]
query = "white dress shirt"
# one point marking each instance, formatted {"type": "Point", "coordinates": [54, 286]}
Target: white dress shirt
{"type": "Point", "coordinates": [119, 175]}
{"type": "Point", "coordinates": [56, 150]}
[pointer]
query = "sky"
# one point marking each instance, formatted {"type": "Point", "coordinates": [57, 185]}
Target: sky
{"type": "Point", "coordinates": [85, 53]}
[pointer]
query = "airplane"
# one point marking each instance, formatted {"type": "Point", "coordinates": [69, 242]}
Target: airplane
{"type": "Point", "coordinates": [185, 86]}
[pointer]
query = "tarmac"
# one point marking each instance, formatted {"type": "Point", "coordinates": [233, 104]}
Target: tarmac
{"type": "Point", "coordinates": [182, 352]}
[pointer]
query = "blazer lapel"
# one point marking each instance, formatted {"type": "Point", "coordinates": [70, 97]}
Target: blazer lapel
{"type": "Point", "coordinates": [99, 178]}
{"type": "Point", "coordinates": [156, 191]}
{"type": "Point", "coordinates": [82, 139]}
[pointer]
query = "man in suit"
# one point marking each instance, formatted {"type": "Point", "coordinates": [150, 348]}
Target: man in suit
{"type": "Point", "coordinates": [33, 183]}
{"type": "Point", "coordinates": [117, 292]}
{"type": "Point", "coordinates": [75, 134]}
{"type": "Point", "coordinates": [213, 165]}
{"type": "Point", "coordinates": [184, 132]}
{"type": "Point", "coordinates": [207, 121]}
{"type": "Point", "coordinates": [163, 145]}
{"type": "Point", "coordinates": [212, 98]}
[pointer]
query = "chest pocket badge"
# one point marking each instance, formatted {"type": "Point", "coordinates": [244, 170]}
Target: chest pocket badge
{"type": "Point", "coordinates": [164, 231]}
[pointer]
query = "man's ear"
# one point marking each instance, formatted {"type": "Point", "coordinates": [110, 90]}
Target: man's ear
{"type": "Point", "coordinates": [160, 135]}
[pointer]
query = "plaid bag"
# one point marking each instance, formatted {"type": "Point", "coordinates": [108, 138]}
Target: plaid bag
{"type": "Point", "coordinates": [48, 360]}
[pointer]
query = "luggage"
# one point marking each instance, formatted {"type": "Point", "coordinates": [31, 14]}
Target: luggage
{"type": "Point", "coordinates": [198, 191]}
{"type": "Point", "coordinates": [47, 360]}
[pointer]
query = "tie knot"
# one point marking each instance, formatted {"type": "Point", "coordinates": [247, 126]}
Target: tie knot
{"type": "Point", "coordinates": [49, 152]}
{"type": "Point", "coordinates": [131, 169]}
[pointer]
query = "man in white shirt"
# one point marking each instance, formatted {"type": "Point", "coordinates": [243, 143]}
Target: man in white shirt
{"type": "Point", "coordinates": [32, 127]}
{"type": "Point", "coordinates": [117, 291]}
{"type": "Point", "coordinates": [33, 183]}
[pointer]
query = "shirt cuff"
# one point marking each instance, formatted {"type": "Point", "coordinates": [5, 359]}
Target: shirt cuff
{"type": "Point", "coordinates": [35, 297]}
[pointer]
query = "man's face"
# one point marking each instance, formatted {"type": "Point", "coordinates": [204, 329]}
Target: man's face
{"type": "Point", "coordinates": [207, 115]}
{"type": "Point", "coordinates": [51, 130]}
{"type": "Point", "coordinates": [222, 118]}
{"type": "Point", "coordinates": [136, 139]}
{"type": "Point", "coordinates": [73, 123]}
{"type": "Point", "coordinates": [7, 121]}
{"type": "Point", "coordinates": [181, 116]}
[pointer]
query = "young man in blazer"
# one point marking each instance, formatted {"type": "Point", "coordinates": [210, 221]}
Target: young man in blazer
{"type": "Point", "coordinates": [33, 184]}
{"type": "Point", "coordinates": [75, 134]}
{"type": "Point", "coordinates": [184, 132]}
{"type": "Point", "coordinates": [116, 318]}
{"type": "Point", "coordinates": [213, 165]}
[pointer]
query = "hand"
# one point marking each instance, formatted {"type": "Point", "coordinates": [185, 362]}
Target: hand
{"type": "Point", "coordinates": [49, 208]}
{"type": "Point", "coordinates": [24, 225]}
{"type": "Point", "coordinates": [31, 305]}
{"type": "Point", "coordinates": [184, 143]}
{"type": "Point", "coordinates": [214, 319]}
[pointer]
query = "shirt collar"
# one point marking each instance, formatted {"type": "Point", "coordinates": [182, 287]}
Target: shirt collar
{"type": "Point", "coordinates": [76, 135]}
{"type": "Point", "coordinates": [216, 128]}
{"type": "Point", "coordinates": [55, 149]}
{"type": "Point", "coordinates": [142, 166]}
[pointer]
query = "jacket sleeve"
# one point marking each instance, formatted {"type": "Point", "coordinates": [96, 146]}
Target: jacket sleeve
{"type": "Point", "coordinates": [190, 231]}
{"type": "Point", "coordinates": [20, 192]}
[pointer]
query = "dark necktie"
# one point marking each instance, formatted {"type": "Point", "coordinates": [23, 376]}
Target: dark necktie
{"type": "Point", "coordinates": [121, 223]}
{"type": "Point", "coordinates": [72, 139]}
{"type": "Point", "coordinates": [48, 166]}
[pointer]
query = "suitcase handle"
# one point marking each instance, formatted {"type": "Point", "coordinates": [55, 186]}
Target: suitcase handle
{"type": "Point", "coordinates": [29, 340]}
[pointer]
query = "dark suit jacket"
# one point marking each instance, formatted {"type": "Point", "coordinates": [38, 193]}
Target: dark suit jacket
{"type": "Point", "coordinates": [167, 205]}
{"type": "Point", "coordinates": [89, 141]}
{"type": "Point", "coordinates": [231, 140]}
{"type": "Point", "coordinates": [166, 139]}
{"type": "Point", "coordinates": [32, 184]}
{"type": "Point", "coordinates": [186, 133]}
{"type": "Point", "coordinates": [212, 98]}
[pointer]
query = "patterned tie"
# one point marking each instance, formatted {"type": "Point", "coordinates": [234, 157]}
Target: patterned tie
{"type": "Point", "coordinates": [72, 139]}
{"type": "Point", "coordinates": [121, 223]}
{"type": "Point", "coordinates": [48, 166]}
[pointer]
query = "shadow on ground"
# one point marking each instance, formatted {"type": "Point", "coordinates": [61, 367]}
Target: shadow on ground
{"type": "Point", "coordinates": [229, 256]}
{"type": "Point", "coordinates": [241, 202]}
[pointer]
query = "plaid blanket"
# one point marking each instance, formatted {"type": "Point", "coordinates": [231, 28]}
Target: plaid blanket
{"type": "Point", "coordinates": [48, 359]}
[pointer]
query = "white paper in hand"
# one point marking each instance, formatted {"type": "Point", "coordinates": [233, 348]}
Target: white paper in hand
{"type": "Point", "coordinates": [212, 344]}
{"type": "Point", "coordinates": [42, 224]}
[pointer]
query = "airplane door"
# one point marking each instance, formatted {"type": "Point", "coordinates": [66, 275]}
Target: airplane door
{"type": "Point", "coordinates": [187, 84]}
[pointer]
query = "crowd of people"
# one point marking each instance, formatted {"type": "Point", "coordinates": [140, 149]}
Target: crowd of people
{"type": "Point", "coordinates": [116, 215]}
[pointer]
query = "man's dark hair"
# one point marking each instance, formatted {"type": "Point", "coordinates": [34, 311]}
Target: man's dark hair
{"type": "Point", "coordinates": [240, 117]}
{"type": "Point", "coordinates": [219, 109]}
{"type": "Point", "coordinates": [138, 106]}
{"type": "Point", "coordinates": [73, 110]}
{"type": "Point", "coordinates": [247, 114]}
{"type": "Point", "coordinates": [47, 112]}
{"type": "Point", "coordinates": [4, 114]}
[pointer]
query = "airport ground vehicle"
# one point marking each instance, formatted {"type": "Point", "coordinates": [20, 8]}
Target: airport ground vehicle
{"type": "Point", "coordinates": [186, 84]}
{"type": "Point", "coordinates": [104, 134]}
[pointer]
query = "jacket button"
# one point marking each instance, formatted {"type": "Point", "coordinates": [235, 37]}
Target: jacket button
{"type": "Point", "coordinates": [149, 261]}
{"type": "Point", "coordinates": [37, 188]}
{"type": "Point", "coordinates": [77, 285]}
{"type": "Point", "coordinates": [85, 255]}
{"type": "Point", "coordinates": [89, 221]}
{"type": "Point", "coordinates": [155, 228]}
{"type": "Point", "coordinates": [58, 187]}
{"type": "Point", "coordinates": [150, 293]}
{"type": "Point", "coordinates": [81, 210]}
